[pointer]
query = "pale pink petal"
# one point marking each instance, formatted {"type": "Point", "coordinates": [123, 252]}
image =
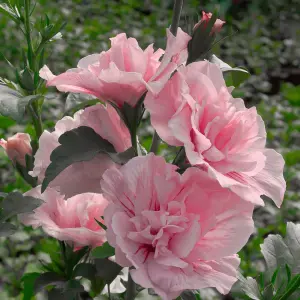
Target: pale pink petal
{"type": "Point", "coordinates": [71, 220]}
{"type": "Point", "coordinates": [270, 180]}
{"type": "Point", "coordinates": [88, 60]}
{"type": "Point", "coordinates": [46, 74]}
{"type": "Point", "coordinates": [79, 81]}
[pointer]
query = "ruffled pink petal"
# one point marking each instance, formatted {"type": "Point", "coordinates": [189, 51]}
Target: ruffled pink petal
{"type": "Point", "coordinates": [77, 81]}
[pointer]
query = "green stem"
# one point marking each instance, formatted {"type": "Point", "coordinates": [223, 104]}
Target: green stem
{"type": "Point", "coordinates": [36, 119]}
{"type": "Point", "coordinates": [40, 48]}
{"type": "Point", "coordinates": [63, 250]}
{"type": "Point", "coordinates": [28, 34]}
{"type": "Point", "coordinates": [133, 131]}
{"type": "Point", "coordinates": [39, 123]}
{"type": "Point", "coordinates": [34, 109]}
{"type": "Point", "coordinates": [131, 288]}
{"type": "Point", "coordinates": [176, 16]}
{"type": "Point", "coordinates": [108, 290]}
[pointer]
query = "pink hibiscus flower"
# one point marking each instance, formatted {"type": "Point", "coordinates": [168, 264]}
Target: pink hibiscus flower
{"type": "Point", "coordinates": [71, 220]}
{"type": "Point", "coordinates": [179, 232]}
{"type": "Point", "coordinates": [196, 110]}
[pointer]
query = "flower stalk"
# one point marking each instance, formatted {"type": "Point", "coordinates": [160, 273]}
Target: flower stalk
{"type": "Point", "coordinates": [131, 288]}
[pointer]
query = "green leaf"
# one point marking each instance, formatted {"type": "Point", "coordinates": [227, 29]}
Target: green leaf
{"type": "Point", "coordinates": [7, 229]}
{"type": "Point", "coordinates": [73, 287]}
{"type": "Point", "coordinates": [9, 100]}
{"type": "Point", "coordinates": [235, 76]}
{"type": "Point", "coordinates": [28, 282]}
{"type": "Point", "coordinates": [79, 144]}
{"type": "Point", "coordinates": [101, 224]}
{"type": "Point", "coordinates": [46, 279]}
{"type": "Point", "coordinates": [279, 252]}
{"type": "Point", "coordinates": [288, 272]}
{"type": "Point", "coordinates": [250, 287]}
{"type": "Point", "coordinates": [261, 280]}
{"type": "Point", "coordinates": [75, 256]}
{"type": "Point", "coordinates": [7, 10]}
{"type": "Point", "coordinates": [52, 30]}
{"type": "Point", "coordinates": [104, 251]}
{"type": "Point", "coordinates": [107, 269]}
{"type": "Point", "coordinates": [268, 292]}
{"type": "Point", "coordinates": [274, 276]}
{"type": "Point", "coordinates": [276, 252]}
{"type": "Point", "coordinates": [15, 203]}
{"type": "Point", "coordinates": [75, 100]}
{"type": "Point", "coordinates": [24, 101]}
{"type": "Point", "coordinates": [26, 80]}
{"type": "Point", "coordinates": [85, 270]}
{"type": "Point", "coordinates": [292, 240]}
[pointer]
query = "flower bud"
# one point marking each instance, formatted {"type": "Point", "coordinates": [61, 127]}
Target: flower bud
{"type": "Point", "coordinates": [17, 147]}
{"type": "Point", "coordinates": [205, 19]}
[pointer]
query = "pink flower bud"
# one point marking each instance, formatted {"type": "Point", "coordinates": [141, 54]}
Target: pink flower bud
{"type": "Point", "coordinates": [205, 18]}
{"type": "Point", "coordinates": [17, 147]}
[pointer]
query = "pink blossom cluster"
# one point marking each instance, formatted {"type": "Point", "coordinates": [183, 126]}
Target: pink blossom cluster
{"type": "Point", "coordinates": [177, 231]}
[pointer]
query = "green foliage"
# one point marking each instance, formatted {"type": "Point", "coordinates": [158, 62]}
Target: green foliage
{"type": "Point", "coordinates": [281, 279]}
{"type": "Point", "coordinates": [107, 270]}
{"type": "Point", "coordinates": [9, 103]}
{"type": "Point", "coordinates": [235, 76]}
{"type": "Point", "coordinates": [15, 203]}
{"type": "Point", "coordinates": [291, 94]}
{"type": "Point", "coordinates": [77, 101]}
{"type": "Point", "coordinates": [86, 270]}
{"type": "Point", "coordinates": [104, 251]}
{"type": "Point", "coordinates": [28, 285]}
{"type": "Point", "coordinates": [12, 205]}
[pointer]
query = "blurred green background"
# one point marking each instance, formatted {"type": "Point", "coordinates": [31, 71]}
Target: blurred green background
{"type": "Point", "coordinates": [264, 37]}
